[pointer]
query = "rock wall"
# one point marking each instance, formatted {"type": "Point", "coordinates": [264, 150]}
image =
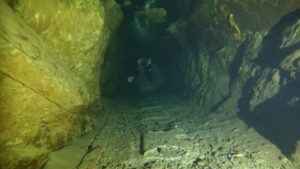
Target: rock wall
{"type": "Point", "coordinates": [270, 97]}
{"type": "Point", "coordinates": [51, 53]}
{"type": "Point", "coordinates": [214, 42]}
{"type": "Point", "coordinates": [242, 57]}
{"type": "Point", "coordinates": [119, 64]}
{"type": "Point", "coordinates": [208, 21]}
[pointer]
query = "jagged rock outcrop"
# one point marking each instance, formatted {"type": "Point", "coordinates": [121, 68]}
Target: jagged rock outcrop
{"type": "Point", "coordinates": [259, 71]}
{"type": "Point", "coordinates": [207, 76]}
{"type": "Point", "coordinates": [51, 52]}
{"type": "Point", "coordinates": [267, 70]}
{"type": "Point", "coordinates": [208, 37]}
{"type": "Point", "coordinates": [266, 86]}
{"type": "Point", "coordinates": [277, 61]}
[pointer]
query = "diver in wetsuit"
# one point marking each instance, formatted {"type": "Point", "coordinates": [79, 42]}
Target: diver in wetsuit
{"type": "Point", "coordinates": [145, 67]}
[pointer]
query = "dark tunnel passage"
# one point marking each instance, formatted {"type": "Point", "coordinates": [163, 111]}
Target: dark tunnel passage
{"type": "Point", "coordinates": [149, 56]}
{"type": "Point", "coordinates": [149, 84]}
{"type": "Point", "coordinates": [143, 40]}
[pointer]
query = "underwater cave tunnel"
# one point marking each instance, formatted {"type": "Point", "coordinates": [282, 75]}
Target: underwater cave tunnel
{"type": "Point", "coordinates": [142, 49]}
{"type": "Point", "coordinates": [149, 84]}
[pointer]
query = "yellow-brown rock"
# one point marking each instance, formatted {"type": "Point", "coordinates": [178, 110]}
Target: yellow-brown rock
{"type": "Point", "coordinates": [50, 58]}
{"type": "Point", "coordinates": [296, 155]}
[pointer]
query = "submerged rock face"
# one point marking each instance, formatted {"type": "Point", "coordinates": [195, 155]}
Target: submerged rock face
{"type": "Point", "coordinates": [259, 71]}
{"type": "Point", "coordinates": [214, 35]}
{"type": "Point", "coordinates": [214, 22]}
{"type": "Point", "coordinates": [51, 53]}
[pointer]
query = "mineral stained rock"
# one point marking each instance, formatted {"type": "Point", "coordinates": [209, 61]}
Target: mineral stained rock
{"type": "Point", "coordinates": [51, 53]}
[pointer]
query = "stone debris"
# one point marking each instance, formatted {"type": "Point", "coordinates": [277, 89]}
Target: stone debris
{"type": "Point", "coordinates": [205, 142]}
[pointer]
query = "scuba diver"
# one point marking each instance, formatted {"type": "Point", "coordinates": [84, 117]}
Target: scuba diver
{"type": "Point", "coordinates": [144, 70]}
{"type": "Point", "coordinates": [145, 67]}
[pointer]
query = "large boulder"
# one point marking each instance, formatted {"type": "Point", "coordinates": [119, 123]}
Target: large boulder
{"type": "Point", "coordinates": [51, 53]}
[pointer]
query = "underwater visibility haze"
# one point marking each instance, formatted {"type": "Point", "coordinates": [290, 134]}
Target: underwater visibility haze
{"type": "Point", "coordinates": [149, 84]}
